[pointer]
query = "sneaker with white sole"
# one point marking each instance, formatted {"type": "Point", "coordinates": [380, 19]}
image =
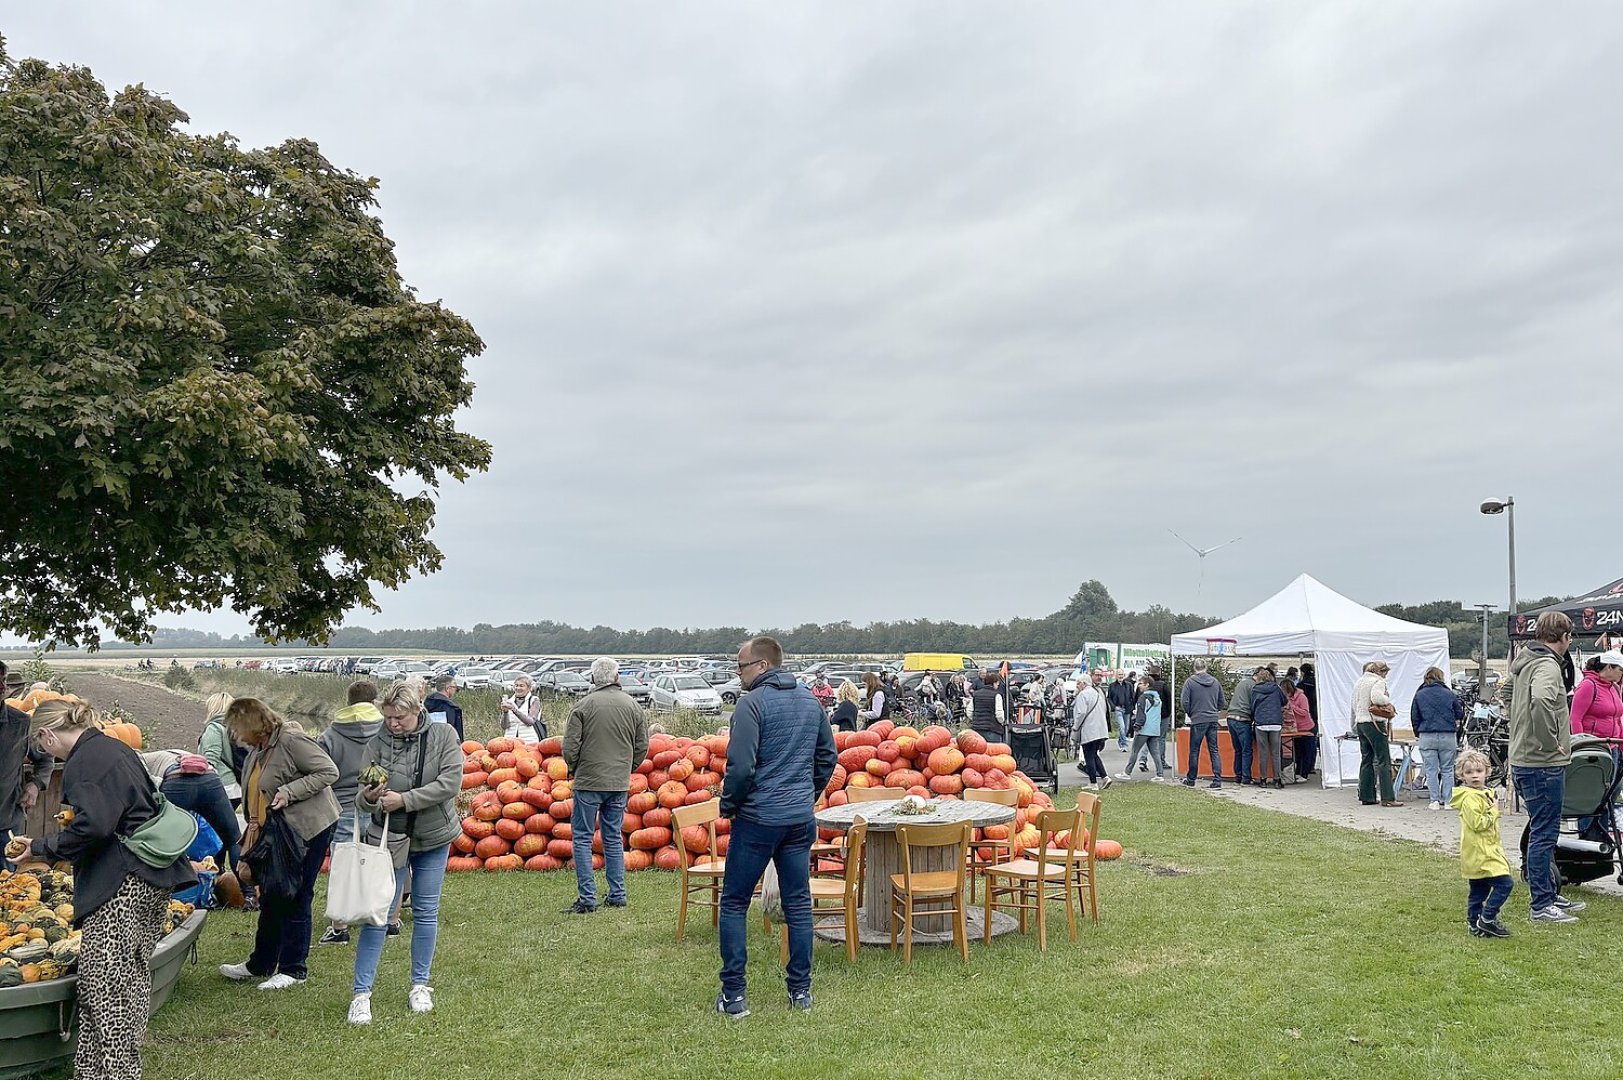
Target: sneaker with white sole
{"type": "Point", "coordinates": [1434, 806]}
{"type": "Point", "coordinates": [280, 981]}
{"type": "Point", "coordinates": [1158, 779]}
{"type": "Point", "coordinates": [237, 972]}
{"type": "Point", "coordinates": [1571, 907]}
{"type": "Point", "coordinates": [421, 998]}
{"type": "Point", "coordinates": [333, 936]}
{"type": "Point", "coordinates": [360, 1009]}
{"type": "Point", "coordinates": [1105, 782]}
{"type": "Point", "coordinates": [1552, 914]}
{"type": "Point", "coordinates": [1123, 776]}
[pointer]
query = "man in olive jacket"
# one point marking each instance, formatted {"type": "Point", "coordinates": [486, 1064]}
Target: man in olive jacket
{"type": "Point", "coordinates": [606, 738]}
{"type": "Point", "coordinates": [1540, 748]}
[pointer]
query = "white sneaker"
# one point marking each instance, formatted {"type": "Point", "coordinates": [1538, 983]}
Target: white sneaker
{"type": "Point", "coordinates": [1106, 782]}
{"type": "Point", "coordinates": [1123, 776]}
{"type": "Point", "coordinates": [1434, 806]}
{"type": "Point", "coordinates": [280, 981]}
{"type": "Point", "coordinates": [421, 998]}
{"type": "Point", "coordinates": [1158, 779]}
{"type": "Point", "coordinates": [237, 972]}
{"type": "Point", "coordinates": [360, 1009]}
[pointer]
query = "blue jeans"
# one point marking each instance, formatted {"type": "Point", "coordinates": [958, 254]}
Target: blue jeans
{"type": "Point", "coordinates": [204, 794]}
{"type": "Point", "coordinates": [1121, 727]}
{"type": "Point", "coordinates": [591, 808]}
{"type": "Point", "coordinates": [1242, 736]}
{"type": "Point", "coordinates": [1204, 733]}
{"type": "Point", "coordinates": [1438, 750]}
{"type": "Point", "coordinates": [282, 937]}
{"type": "Point", "coordinates": [1542, 791]}
{"type": "Point", "coordinates": [788, 847]}
{"type": "Point", "coordinates": [426, 872]}
{"type": "Point", "coordinates": [1487, 896]}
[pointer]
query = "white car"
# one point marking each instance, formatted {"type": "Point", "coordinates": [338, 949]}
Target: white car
{"type": "Point", "coordinates": [400, 669]}
{"type": "Point", "coordinates": [284, 666]}
{"type": "Point", "coordinates": [473, 678]}
{"type": "Point", "coordinates": [504, 680]}
{"type": "Point", "coordinates": [683, 691]}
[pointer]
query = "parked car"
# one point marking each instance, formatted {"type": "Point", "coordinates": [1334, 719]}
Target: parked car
{"type": "Point", "coordinates": [715, 676]}
{"type": "Point", "coordinates": [365, 664]}
{"type": "Point", "coordinates": [473, 678]}
{"type": "Point", "coordinates": [731, 690]}
{"type": "Point", "coordinates": [632, 683]}
{"type": "Point", "coordinates": [505, 679]}
{"type": "Point", "coordinates": [683, 691]}
{"type": "Point", "coordinates": [400, 669]}
{"type": "Point", "coordinates": [562, 684]}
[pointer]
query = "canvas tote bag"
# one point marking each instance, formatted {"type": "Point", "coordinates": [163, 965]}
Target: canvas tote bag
{"type": "Point", "coordinates": [360, 886]}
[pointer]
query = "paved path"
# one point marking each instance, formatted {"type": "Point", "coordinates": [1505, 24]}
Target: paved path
{"type": "Point", "coordinates": [1340, 806]}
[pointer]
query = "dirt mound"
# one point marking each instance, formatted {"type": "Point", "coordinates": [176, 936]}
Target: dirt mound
{"type": "Point", "coordinates": [169, 720]}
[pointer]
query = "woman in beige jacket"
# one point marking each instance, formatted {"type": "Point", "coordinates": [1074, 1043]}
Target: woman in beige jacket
{"type": "Point", "coordinates": [1374, 751]}
{"type": "Point", "coordinates": [286, 773]}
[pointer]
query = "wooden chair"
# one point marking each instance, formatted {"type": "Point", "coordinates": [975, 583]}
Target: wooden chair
{"type": "Point", "coordinates": [839, 897]}
{"type": "Point", "coordinates": [932, 887]}
{"type": "Point", "coordinates": [1030, 884]}
{"type": "Point", "coordinates": [1087, 807]}
{"type": "Point", "coordinates": [1002, 850]}
{"type": "Point", "coordinates": [705, 880]}
{"type": "Point", "coordinates": [874, 794]}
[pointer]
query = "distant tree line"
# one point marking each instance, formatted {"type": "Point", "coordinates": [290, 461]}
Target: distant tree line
{"type": "Point", "coordinates": [1091, 614]}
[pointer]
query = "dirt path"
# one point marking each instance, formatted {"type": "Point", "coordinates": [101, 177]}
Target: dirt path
{"type": "Point", "coordinates": [169, 720]}
{"type": "Point", "coordinates": [1439, 829]}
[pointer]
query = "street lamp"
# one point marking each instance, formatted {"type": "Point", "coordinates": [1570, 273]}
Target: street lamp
{"type": "Point", "coordinates": [1500, 506]}
{"type": "Point", "coordinates": [1482, 666]}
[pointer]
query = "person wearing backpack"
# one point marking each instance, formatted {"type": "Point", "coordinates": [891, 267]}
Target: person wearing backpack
{"type": "Point", "coordinates": [119, 899]}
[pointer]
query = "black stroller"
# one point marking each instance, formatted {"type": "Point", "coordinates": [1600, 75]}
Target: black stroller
{"type": "Point", "coordinates": [1032, 748]}
{"type": "Point", "coordinates": [1589, 846]}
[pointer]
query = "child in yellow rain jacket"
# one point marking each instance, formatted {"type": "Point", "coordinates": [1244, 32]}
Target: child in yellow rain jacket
{"type": "Point", "coordinates": [1482, 852]}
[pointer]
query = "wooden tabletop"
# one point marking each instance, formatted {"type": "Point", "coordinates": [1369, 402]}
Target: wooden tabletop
{"type": "Point", "coordinates": [882, 818]}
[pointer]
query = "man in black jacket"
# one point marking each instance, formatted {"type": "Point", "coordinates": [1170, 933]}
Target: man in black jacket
{"type": "Point", "coordinates": [1123, 698]}
{"type": "Point", "coordinates": [439, 705]}
{"type": "Point", "coordinates": [17, 797]}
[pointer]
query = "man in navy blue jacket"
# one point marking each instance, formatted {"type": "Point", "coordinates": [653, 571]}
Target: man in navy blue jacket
{"type": "Point", "coordinates": [780, 757]}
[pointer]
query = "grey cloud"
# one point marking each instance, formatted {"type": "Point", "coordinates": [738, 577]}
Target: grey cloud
{"type": "Point", "coordinates": [810, 312]}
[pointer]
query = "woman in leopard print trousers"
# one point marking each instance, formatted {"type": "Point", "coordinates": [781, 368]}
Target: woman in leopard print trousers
{"type": "Point", "coordinates": [118, 900]}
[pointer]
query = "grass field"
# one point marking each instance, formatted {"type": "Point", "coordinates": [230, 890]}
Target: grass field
{"type": "Point", "coordinates": [1235, 942]}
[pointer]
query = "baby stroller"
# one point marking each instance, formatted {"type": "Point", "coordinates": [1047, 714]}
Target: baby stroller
{"type": "Point", "coordinates": [1589, 843]}
{"type": "Point", "coordinates": [1032, 748]}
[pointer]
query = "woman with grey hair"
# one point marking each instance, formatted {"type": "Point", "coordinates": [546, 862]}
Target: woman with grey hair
{"type": "Point", "coordinates": [521, 712]}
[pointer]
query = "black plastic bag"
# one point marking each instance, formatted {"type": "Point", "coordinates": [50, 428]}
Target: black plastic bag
{"type": "Point", "coordinates": [277, 859]}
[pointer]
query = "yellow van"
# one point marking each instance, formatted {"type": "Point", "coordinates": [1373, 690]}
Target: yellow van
{"type": "Point", "coordinates": [935, 661]}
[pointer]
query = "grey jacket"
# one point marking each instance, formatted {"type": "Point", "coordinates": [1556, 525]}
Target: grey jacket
{"type": "Point", "coordinates": [1540, 723]}
{"type": "Point", "coordinates": [1240, 706]}
{"type": "Point", "coordinates": [425, 767]}
{"type": "Point", "coordinates": [1201, 698]}
{"type": "Point", "coordinates": [346, 741]}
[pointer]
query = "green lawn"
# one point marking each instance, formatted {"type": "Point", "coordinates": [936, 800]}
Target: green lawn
{"type": "Point", "coordinates": [1283, 948]}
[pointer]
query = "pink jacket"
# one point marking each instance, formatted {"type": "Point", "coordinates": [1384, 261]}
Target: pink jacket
{"type": "Point", "coordinates": [1597, 708]}
{"type": "Point", "coordinates": [1300, 711]}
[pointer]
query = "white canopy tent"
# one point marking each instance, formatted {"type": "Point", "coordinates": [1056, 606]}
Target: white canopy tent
{"type": "Point", "coordinates": [1307, 618]}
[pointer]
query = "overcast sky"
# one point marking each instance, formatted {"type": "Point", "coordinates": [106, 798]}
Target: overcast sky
{"type": "Point", "coordinates": [807, 312]}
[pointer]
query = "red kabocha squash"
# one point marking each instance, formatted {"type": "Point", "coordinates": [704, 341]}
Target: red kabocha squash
{"type": "Point", "coordinates": [472, 747]}
{"type": "Point", "coordinates": [473, 780]}
{"type": "Point", "coordinates": [478, 828]}
{"type": "Point", "coordinates": [504, 863]}
{"type": "Point", "coordinates": [668, 858]}
{"type": "Point", "coordinates": [539, 824]}
{"type": "Point", "coordinates": [650, 839]}
{"type": "Point", "coordinates": [639, 860]}
{"type": "Point", "coordinates": [463, 844]}
{"type": "Point", "coordinates": [501, 746]}
{"type": "Point", "coordinates": [528, 847]}
{"type": "Point", "coordinates": [509, 829]}
{"type": "Point", "coordinates": [561, 849]}
{"type": "Point", "coordinates": [491, 846]}
{"type": "Point", "coordinates": [463, 863]}
{"type": "Point", "coordinates": [550, 747]}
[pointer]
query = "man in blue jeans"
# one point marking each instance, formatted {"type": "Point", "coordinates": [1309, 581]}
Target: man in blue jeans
{"type": "Point", "coordinates": [1202, 702]}
{"type": "Point", "coordinates": [606, 737]}
{"type": "Point", "coordinates": [780, 757]}
{"type": "Point", "coordinates": [1540, 748]}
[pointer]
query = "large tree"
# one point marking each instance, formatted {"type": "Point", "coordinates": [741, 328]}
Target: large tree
{"type": "Point", "coordinates": [214, 377]}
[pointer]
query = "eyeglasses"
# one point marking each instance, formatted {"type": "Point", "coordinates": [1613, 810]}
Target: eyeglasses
{"type": "Point", "coordinates": [751, 664]}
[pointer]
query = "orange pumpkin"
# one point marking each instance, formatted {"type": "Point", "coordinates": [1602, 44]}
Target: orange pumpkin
{"type": "Point", "coordinates": [539, 824]}
{"type": "Point", "coordinates": [128, 734]}
{"type": "Point", "coordinates": [504, 863]}
{"type": "Point", "coordinates": [650, 839]}
{"type": "Point", "coordinates": [642, 802]}
{"type": "Point", "coordinates": [971, 742]}
{"type": "Point", "coordinates": [1106, 850]}
{"type": "Point", "coordinates": [472, 747]}
{"type": "Point", "coordinates": [509, 830]}
{"type": "Point", "coordinates": [667, 858]}
{"type": "Point", "coordinates": [464, 844]}
{"type": "Point", "coordinates": [562, 850]}
{"type": "Point", "coordinates": [501, 746]}
{"type": "Point", "coordinates": [528, 847]}
{"type": "Point", "coordinates": [463, 863]}
{"type": "Point", "coordinates": [473, 780]}
{"type": "Point", "coordinates": [562, 809]}
{"type": "Point", "coordinates": [491, 846]}
{"type": "Point", "coordinates": [478, 828]}
{"type": "Point", "coordinates": [549, 747]}
{"type": "Point", "coordinates": [672, 794]}
{"type": "Point", "coordinates": [639, 860]}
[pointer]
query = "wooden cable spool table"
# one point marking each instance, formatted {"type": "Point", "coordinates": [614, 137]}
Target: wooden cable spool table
{"type": "Point", "coordinates": [884, 858]}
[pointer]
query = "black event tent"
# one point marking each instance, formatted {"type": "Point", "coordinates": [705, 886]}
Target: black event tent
{"type": "Point", "coordinates": [1598, 612]}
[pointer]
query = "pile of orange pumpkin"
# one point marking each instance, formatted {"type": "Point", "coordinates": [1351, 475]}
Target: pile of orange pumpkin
{"type": "Point", "coordinates": [936, 764]}
{"type": "Point", "coordinates": [523, 800]}
{"type": "Point", "coordinates": [126, 733]}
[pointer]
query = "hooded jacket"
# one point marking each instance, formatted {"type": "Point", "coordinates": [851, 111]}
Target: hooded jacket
{"type": "Point", "coordinates": [1482, 851]}
{"type": "Point", "coordinates": [780, 753]}
{"type": "Point", "coordinates": [1202, 698]}
{"type": "Point", "coordinates": [1268, 704]}
{"type": "Point", "coordinates": [425, 767]}
{"type": "Point", "coordinates": [1597, 708]}
{"type": "Point", "coordinates": [437, 704]}
{"type": "Point", "coordinates": [346, 740]}
{"type": "Point", "coordinates": [215, 744]}
{"type": "Point", "coordinates": [1540, 721]}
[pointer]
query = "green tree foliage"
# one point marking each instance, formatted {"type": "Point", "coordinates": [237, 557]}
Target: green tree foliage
{"type": "Point", "coordinates": [215, 374]}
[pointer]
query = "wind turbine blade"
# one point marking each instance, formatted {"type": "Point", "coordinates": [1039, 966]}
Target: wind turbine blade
{"type": "Point", "coordinates": [1188, 545]}
{"type": "Point", "coordinates": [1224, 544]}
